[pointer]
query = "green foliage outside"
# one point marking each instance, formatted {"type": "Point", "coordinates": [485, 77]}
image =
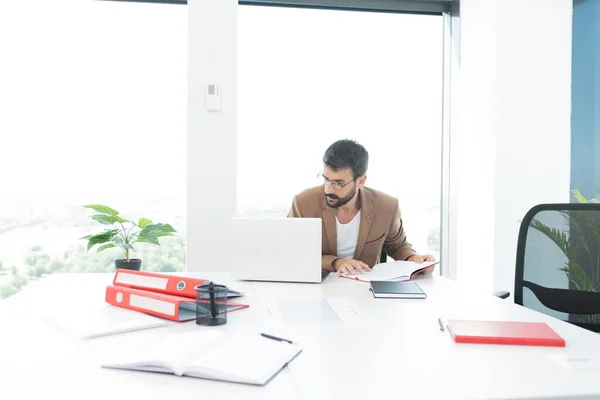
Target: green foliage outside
{"type": "Point", "coordinates": [169, 257]}
{"type": "Point", "coordinates": [36, 262]}
{"type": "Point", "coordinates": [17, 283]}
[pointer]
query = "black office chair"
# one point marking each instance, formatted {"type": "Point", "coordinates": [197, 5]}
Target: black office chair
{"type": "Point", "coordinates": [558, 263]}
{"type": "Point", "coordinates": [383, 257]}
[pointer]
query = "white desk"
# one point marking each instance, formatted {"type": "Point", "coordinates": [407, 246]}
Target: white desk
{"type": "Point", "coordinates": [395, 350]}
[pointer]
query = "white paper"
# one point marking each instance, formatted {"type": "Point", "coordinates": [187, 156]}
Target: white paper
{"type": "Point", "coordinates": [391, 271]}
{"type": "Point", "coordinates": [303, 311]}
{"type": "Point", "coordinates": [348, 311]}
{"type": "Point", "coordinates": [577, 361]}
{"type": "Point", "coordinates": [339, 310]}
{"type": "Point", "coordinates": [244, 358]}
{"type": "Point", "coordinates": [96, 321]}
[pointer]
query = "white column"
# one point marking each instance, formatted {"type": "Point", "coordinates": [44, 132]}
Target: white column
{"type": "Point", "coordinates": [211, 152]}
{"type": "Point", "coordinates": [513, 134]}
{"type": "Point", "coordinates": [472, 144]}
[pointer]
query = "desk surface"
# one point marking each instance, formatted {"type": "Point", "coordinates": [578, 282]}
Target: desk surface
{"type": "Point", "coordinates": [389, 349]}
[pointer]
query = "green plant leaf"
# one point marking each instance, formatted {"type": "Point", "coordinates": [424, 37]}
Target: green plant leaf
{"type": "Point", "coordinates": [580, 244]}
{"type": "Point", "coordinates": [148, 239]}
{"type": "Point", "coordinates": [100, 238]}
{"type": "Point", "coordinates": [578, 277]}
{"type": "Point", "coordinates": [143, 222]}
{"type": "Point", "coordinates": [581, 198]}
{"type": "Point", "coordinates": [118, 241]}
{"type": "Point", "coordinates": [152, 232]}
{"type": "Point", "coordinates": [102, 209]}
{"type": "Point", "coordinates": [108, 219]}
{"type": "Point", "coordinates": [158, 230]}
{"type": "Point", "coordinates": [559, 237]}
{"type": "Point", "coordinates": [106, 246]}
{"type": "Point", "coordinates": [585, 231]}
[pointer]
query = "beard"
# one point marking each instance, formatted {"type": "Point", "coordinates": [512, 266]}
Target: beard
{"type": "Point", "coordinates": [339, 201]}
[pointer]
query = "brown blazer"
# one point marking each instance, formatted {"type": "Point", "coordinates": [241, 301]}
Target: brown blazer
{"type": "Point", "coordinates": [380, 225]}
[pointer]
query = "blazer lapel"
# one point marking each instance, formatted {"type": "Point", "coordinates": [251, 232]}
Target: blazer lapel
{"type": "Point", "coordinates": [328, 216]}
{"type": "Point", "coordinates": [366, 220]}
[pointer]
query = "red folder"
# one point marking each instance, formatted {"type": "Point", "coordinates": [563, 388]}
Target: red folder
{"type": "Point", "coordinates": [157, 282]}
{"type": "Point", "coordinates": [504, 332]}
{"type": "Point", "coordinates": [175, 308]}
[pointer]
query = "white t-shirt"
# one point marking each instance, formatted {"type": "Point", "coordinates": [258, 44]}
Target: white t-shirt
{"type": "Point", "coordinates": [347, 236]}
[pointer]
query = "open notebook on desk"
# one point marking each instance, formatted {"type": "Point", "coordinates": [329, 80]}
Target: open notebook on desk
{"type": "Point", "coordinates": [242, 357]}
{"type": "Point", "coordinates": [392, 271]}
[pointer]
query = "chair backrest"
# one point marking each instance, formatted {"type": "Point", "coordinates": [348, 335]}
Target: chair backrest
{"type": "Point", "coordinates": [383, 257]}
{"type": "Point", "coordinates": [558, 262]}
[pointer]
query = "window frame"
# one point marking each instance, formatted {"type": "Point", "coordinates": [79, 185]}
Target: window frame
{"type": "Point", "coordinates": [430, 7]}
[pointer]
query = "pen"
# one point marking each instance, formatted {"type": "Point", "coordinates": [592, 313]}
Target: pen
{"type": "Point", "coordinates": [441, 324]}
{"type": "Point", "coordinates": [276, 338]}
{"type": "Point", "coordinates": [213, 304]}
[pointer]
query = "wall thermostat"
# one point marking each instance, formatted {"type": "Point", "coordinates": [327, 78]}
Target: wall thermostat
{"type": "Point", "coordinates": [213, 97]}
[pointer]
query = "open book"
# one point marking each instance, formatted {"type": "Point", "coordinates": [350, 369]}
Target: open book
{"type": "Point", "coordinates": [242, 357]}
{"type": "Point", "coordinates": [392, 271]}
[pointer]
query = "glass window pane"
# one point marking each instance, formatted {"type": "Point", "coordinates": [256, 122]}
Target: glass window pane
{"type": "Point", "coordinates": [94, 111]}
{"type": "Point", "coordinates": [310, 77]}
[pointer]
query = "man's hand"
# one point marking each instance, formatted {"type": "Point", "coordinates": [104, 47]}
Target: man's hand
{"type": "Point", "coordinates": [349, 266]}
{"type": "Point", "coordinates": [419, 258]}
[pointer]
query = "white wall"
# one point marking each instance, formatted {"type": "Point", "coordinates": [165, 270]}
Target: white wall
{"type": "Point", "coordinates": [472, 145]}
{"type": "Point", "coordinates": [514, 129]}
{"type": "Point", "coordinates": [211, 166]}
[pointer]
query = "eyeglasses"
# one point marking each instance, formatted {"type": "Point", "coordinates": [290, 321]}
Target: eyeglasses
{"type": "Point", "coordinates": [337, 185]}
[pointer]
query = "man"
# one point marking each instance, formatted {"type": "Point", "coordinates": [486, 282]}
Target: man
{"type": "Point", "coordinates": [358, 222]}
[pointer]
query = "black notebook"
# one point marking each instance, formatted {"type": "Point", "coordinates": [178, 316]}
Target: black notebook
{"type": "Point", "coordinates": [397, 290]}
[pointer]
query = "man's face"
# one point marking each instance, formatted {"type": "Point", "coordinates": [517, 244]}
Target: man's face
{"type": "Point", "coordinates": [339, 187]}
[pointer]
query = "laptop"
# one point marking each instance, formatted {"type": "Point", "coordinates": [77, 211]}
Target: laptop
{"type": "Point", "coordinates": [277, 249]}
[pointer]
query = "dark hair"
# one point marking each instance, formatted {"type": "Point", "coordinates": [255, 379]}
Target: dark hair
{"type": "Point", "coordinates": [347, 153]}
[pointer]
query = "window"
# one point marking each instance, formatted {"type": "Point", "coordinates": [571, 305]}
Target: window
{"type": "Point", "coordinates": [93, 100]}
{"type": "Point", "coordinates": [309, 77]}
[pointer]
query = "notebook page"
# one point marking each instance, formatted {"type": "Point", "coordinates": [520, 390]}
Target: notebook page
{"type": "Point", "coordinates": [244, 358]}
{"type": "Point", "coordinates": [391, 271]}
{"type": "Point", "coordinates": [88, 322]}
{"type": "Point", "coordinates": [171, 351]}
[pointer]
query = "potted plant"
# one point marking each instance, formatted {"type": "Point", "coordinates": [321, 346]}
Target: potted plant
{"type": "Point", "coordinates": [124, 233]}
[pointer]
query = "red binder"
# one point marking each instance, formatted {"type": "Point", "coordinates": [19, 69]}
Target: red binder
{"type": "Point", "coordinates": [174, 308]}
{"type": "Point", "coordinates": [157, 282]}
{"type": "Point", "coordinates": [504, 332]}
